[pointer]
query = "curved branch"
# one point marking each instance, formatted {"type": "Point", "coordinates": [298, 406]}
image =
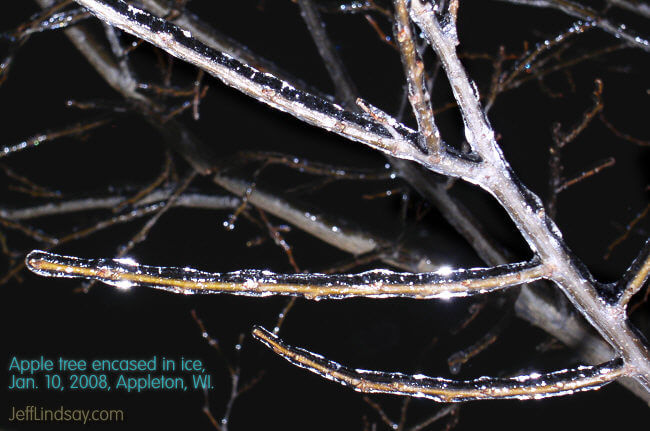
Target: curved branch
{"type": "Point", "coordinates": [531, 386]}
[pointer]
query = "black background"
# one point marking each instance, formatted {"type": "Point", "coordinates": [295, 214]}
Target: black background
{"type": "Point", "coordinates": [47, 316]}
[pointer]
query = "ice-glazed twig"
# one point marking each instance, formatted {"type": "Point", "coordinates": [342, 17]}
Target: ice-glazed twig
{"type": "Point", "coordinates": [272, 90]}
{"type": "Point", "coordinates": [35, 234]}
{"type": "Point", "coordinates": [635, 277]}
{"type": "Point", "coordinates": [314, 167]}
{"type": "Point", "coordinates": [627, 231]}
{"type": "Point", "coordinates": [530, 386]}
{"type": "Point", "coordinates": [582, 12]}
{"type": "Point", "coordinates": [149, 188]}
{"type": "Point", "coordinates": [336, 231]}
{"type": "Point", "coordinates": [332, 233]}
{"type": "Point", "coordinates": [346, 91]}
{"type": "Point", "coordinates": [414, 70]}
{"type": "Point", "coordinates": [461, 357]}
{"type": "Point", "coordinates": [448, 410]}
{"type": "Point", "coordinates": [99, 58]}
{"type": "Point", "coordinates": [21, 35]}
{"type": "Point", "coordinates": [622, 135]}
{"type": "Point", "coordinates": [38, 139]}
{"type": "Point", "coordinates": [557, 182]}
{"type": "Point", "coordinates": [609, 162]}
{"type": "Point", "coordinates": [370, 284]}
{"type": "Point", "coordinates": [186, 200]}
{"type": "Point", "coordinates": [210, 36]}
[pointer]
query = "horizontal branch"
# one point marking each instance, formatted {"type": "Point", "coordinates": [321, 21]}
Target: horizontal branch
{"type": "Point", "coordinates": [186, 200]}
{"type": "Point", "coordinates": [40, 138]}
{"type": "Point", "coordinates": [531, 386]}
{"type": "Point", "coordinates": [371, 284]}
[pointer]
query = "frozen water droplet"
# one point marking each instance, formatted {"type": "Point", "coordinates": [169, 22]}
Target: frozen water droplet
{"type": "Point", "coordinates": [127, 261]}
{"type": "Point", "coordinates": [122, 284]}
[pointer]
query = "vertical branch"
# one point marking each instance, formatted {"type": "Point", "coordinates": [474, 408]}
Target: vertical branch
{"type": "Point", "coordinates": [414, 71]}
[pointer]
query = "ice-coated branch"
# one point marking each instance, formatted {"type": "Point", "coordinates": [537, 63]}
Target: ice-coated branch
{"type": "Point", "coordinates": [346, 91]}
{"type": "Point", "coordinates": [525, 208]}
{"type": "Point", "coordinates": [38, 139]}
{"type": "Point", "coordinates": [531, 306]}
{"type": "Point", "coordinates": [370, 284]}
{"type": "Point", "coordinates": [271, 90]}
{"type": "Point", "coordinates": [587, 14]}
{"type": "Point", "coordinates": [530, 386]}
{"type": "Point", "coordinates": [414, 71]}
{"type": "Point", "coordinates": [478, 132]}
{"type": "Point", "coordinates": [635, 276]}
{"type": "Point", "coordinates": [543, 238]}
{"type": "Point", "coordinates": [186, 200]}
{"type": "Point", "coordinates": [100, 59]}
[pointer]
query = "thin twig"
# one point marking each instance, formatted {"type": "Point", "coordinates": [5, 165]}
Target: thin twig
{"type": "Point", "coordinates": [635, 277]}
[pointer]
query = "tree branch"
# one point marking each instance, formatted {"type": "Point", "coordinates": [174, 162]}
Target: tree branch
{"type": "Point", "coordinates": [271, 90]}
{"type": "Point", "coordinates": [591, 16]}
{"type": "Point", "coordinates": [414, 71]}
{"type": "Point", "coordinates": [635, 277]}
{"type": "Point", "coordinates": [370, 284]}
{"type": "Point", "coordinates": [345, 89]}
{"type": "Point", "coordinates": [526, 209]}
{"type": "Point", "coordinates": [566, 254]}
{"type": "Point", "coordinates": [532, 386]}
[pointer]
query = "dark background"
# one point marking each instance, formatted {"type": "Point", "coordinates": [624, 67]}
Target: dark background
{"type": "Point", "coordinates": [48, 316]}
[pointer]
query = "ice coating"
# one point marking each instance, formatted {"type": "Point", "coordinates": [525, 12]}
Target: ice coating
{"type": "Point", "coordinates": [493, 175]}
{"type": "Point", "coordinates": [401, 142]}
{"type": "Point", "coordinates": [268, 88]}
{"type": "Point", "coordinates": [529, 386]}
{"type": "Point", "coordinates": [380, 283]}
